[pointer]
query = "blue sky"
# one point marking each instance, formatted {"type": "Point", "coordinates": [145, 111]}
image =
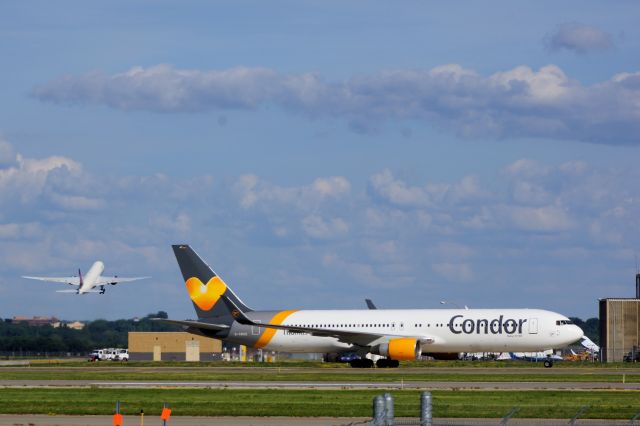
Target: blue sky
{"type": "Point", "coordinates": [317, 153]}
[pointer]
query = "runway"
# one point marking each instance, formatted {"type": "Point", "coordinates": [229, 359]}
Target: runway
{"type": "Point", "coordinates": [409, 385]}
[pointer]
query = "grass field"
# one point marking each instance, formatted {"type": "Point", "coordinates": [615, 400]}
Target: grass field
{"type": "Point", "coordinates": [205, 402]}
{"type": "Point", "coordinates": [320, 375]}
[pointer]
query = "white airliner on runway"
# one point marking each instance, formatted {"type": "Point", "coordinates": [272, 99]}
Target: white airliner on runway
{"type": "Point", "coordinates": [92, 282]}
{"type": "Point", "coordinates": [396, 334]}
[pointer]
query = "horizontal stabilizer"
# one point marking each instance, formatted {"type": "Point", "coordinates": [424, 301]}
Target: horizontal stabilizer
{"type": "Point", "coordinates": [194, 324]}
{"type": "Point", "coordinates": [67, 291]}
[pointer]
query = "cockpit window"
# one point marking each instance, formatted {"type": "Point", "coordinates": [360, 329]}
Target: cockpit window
{"type": "Point", "coordinates": [564, 322]}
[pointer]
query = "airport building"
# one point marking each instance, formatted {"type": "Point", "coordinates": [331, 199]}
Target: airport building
{"type": "Point", "coordinates": [620, 327]}
{"type": "Point", "coordinates": [172, 346]}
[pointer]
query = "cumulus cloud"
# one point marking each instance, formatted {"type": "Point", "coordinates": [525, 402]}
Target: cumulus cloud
{"type": "Point", "coordinates": [542, 219]}
{"type": "Point", "coordinates": [386, 187]}
{"type": "Point", "coordinates": [27, 179]}
{"type": "Point", "coordinates": [254, 192]}
{"type": "Point", "coordinates": [520, 102]}
{"type": "Point", "coordinates": [19, 230]}
{"type": "Point", "coordinates": [317, 227]}
{"type": "Point", "coordinates": [579, 38]}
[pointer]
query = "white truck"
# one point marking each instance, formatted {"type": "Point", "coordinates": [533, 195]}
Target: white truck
{"type": "Point", "coordinates": [109, 354]}
{"type": "Point", "coordinates": [121, 355]}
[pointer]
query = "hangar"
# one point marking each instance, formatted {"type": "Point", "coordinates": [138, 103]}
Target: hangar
{"type": "Point", "coordinates": [172, 346]}
{"type": "Point", "coordinates": [620, 327]}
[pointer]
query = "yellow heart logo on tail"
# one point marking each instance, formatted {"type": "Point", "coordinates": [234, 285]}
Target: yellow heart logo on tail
{"type": "Point", "coordinates": [205, 297]}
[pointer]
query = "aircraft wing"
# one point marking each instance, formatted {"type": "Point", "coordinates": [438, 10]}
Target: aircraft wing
{"type": "Point", "coordinates": [64, 280]}
{"type": "Point", "coordinates": [102, 280]}
{"type": "Point", "coordinates": [76, 291]}
{"type": "Point", "coordinates": [350, 337]}
{"type": "Point", "coordinates": [194, 324]}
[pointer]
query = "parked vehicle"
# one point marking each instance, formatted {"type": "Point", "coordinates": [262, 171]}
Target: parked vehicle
{"type": "Point", "coordinates": [633, 356]}
{"type": "Point", "coordinates": [121, 355]}
{"type": "Point", "coordinates": [109, 354]}
{"type": "Point", "coordinates": [98, 355]}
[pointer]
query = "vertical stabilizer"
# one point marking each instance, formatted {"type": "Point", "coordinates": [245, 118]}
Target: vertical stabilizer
{"type": "Point", "coordinates": [203, 285]}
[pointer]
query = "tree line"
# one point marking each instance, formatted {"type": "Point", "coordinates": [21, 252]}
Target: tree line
{"type": "Point", "coordinates": [19, 337]}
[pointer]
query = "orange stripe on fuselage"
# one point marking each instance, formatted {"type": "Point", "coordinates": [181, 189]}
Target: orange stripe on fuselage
{"type": "Point", "coordinates": [268, 334]}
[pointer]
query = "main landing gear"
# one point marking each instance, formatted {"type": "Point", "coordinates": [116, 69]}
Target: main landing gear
{"type": "Point", "coordinates": [387, 363]}
{"type": "Point", "coordinates": [381, 363]}
{"type": "Point", "coordinates": [361, 363]}
{"type": "Point", "coordinates": [548, 363]}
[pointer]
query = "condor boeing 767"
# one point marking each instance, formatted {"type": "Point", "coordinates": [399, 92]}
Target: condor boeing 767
{"type": "Point", "coordinates": [394, 334]}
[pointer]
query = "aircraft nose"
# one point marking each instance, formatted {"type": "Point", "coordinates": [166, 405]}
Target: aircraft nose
{"type": "Point", "coordinates": [577, 331]}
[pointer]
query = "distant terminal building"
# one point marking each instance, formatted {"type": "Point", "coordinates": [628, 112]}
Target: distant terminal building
{"type": "Point", "coordinates": [38, 321]}
{"type": "Point", "coordinates": [620, 327]}
{"type": "Point", "coordinates": [172, 346]}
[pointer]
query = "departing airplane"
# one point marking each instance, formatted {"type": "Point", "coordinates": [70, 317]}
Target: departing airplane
{"type": "Point", "coordinates": [395, 334]}
{"type": "Point", "coordinates": [92, 282]}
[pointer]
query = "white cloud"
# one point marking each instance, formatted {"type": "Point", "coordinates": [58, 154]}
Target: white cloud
{"type": "Point", "coordinates": [537, 219]}
{"type": "Point", "coordinates": [254, 192]}
{"type": "Point", "coordinates": [526, 168]}
{"type": "Point", "coordinates": [520, 102]}
{"type": "Point", "coordinates": [19, 230]}
{"type": "Point", "coordinates": [385, 186]}
{"type": "Point", "coordinates": [579, 38]}
{"type": "Point", "coordinates": [27, 179]}
{"type": "Point", "coordinates": [179, 223]}
{"type": "Point", "coordinates": [77, 202]}
{"type": "Point", "coordinates": [366, 274]}
{"type": "Point", "coordinates": [395, 191]}
{"type": "Point", "coordinates": [530, 193]}
{"type": "Point", "coordinates": [317, 227]}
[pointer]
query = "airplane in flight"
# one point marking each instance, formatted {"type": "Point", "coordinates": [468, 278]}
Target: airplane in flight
{"type": "Point", "coordinates": [92, 282]}
{"type": "Point", "coordinates": [392, 335]}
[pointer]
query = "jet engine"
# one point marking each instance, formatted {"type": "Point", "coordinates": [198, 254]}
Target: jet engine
{"type": "Point", "coordinates": [401, 349]}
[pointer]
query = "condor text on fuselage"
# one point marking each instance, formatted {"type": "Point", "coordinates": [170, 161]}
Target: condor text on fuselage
{"type": "Point", "coordinates": [458, 325]}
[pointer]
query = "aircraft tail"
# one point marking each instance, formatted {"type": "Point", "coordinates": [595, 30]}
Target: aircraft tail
{"type": "Point", "coordinates": [204, 286]}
